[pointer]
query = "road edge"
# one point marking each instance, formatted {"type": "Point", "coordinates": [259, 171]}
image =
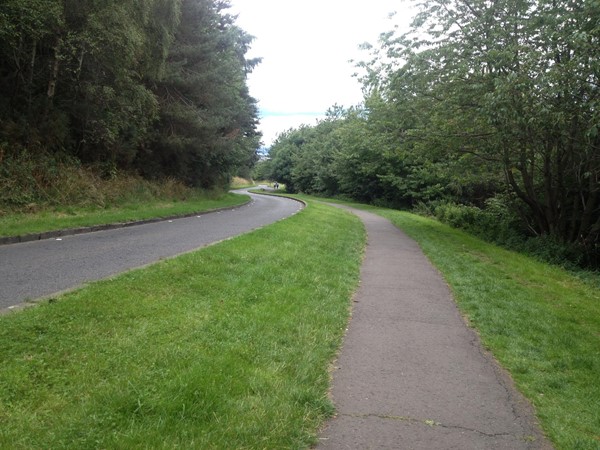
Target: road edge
{"type": "Point", "coordinates": [109, 226]}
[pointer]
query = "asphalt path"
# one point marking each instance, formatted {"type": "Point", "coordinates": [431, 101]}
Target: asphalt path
{"type": "Point", "coordinates": [40, 269]}
{"type": "Point", "coordinates": [411, 374]}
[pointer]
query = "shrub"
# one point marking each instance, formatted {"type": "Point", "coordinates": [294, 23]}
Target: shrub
{"type": "Point", "coordinates": [30, 182]}
{"type": "Point", "coordinates": [499, 224]}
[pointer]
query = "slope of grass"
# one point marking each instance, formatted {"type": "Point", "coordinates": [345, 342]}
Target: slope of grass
{"type": "Point", "coordinates": [224, 348]}
{"type": "Point", "coordinates": [540, 321]}
{"type": "Point", "coordinates": [59, 218]}
{"type": "Point", "coordinates": [228, 347]}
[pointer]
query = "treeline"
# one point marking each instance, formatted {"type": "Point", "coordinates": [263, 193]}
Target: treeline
{"type": "Point", "coordinates": [152, 87]}
{"type": "Point", "coordinates": [485, 114]}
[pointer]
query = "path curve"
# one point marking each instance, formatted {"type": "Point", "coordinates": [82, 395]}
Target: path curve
{"type": "Point", "coordinates": [411, 374]}
{"type": "Point", "coordinates": [38, 269]}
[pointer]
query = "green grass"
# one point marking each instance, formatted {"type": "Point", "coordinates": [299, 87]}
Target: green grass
{"type": "Point", "coordinates": [17, 224]}
{"type": "Point", "coordinates": [541, 322]}
{"type": "Point", "coordinates": [228, 347]}
{"type": "Point", "coordinates": [224, 348]}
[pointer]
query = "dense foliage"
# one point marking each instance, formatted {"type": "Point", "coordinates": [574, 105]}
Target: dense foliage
{"type": "Point", "coordinates": [486, 112]}
{"type": "Point", "coordinates": [156, 87]}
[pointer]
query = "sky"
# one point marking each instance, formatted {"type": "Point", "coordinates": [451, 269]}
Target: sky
{"type": "Point", "coordinates": [305, 46]}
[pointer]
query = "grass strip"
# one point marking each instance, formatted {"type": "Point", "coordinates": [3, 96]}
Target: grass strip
{"type": "Point", "coordinates": [18, 224]}
{"type": "Point", "coordinates": [227, 347]}
{"type": "Point", "coordinates": [541, 323]}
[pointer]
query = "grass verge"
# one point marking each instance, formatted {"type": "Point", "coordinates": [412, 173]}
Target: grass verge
{"type": "Point", "coordinates": [227, 347]}
{"type": "Point", "coordinates": [17, 224]}
{"type": "Point", "coordinates": [541, 322]}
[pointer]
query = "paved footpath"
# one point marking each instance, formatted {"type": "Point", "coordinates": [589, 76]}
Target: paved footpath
{"type": "Point", "coordinates": [411, 374]}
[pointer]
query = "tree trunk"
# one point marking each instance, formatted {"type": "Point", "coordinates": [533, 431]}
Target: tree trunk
{"type": "Point", "coordinates": [54, 67]}
{"type": "Point", "coordinates": [31, 73]}
{"type": "Point", "coordinates": [52, 81]}
{"type": "Point", "coordinates": [536, 210]}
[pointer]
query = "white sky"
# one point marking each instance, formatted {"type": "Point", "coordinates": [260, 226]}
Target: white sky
{"type": "Point", "coordinates": [306, 46]}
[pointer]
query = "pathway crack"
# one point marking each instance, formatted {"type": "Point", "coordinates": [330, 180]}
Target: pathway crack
{"type": "Point", "coordinates": [429, 422]}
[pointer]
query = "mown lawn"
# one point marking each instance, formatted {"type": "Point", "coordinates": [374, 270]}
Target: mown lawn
{"type": "Point", "coordinates": [228, 347]}
{"type": "Point", "coordinates": [224, 348]}
{"type": "Point", "coordinates": [50, 219]}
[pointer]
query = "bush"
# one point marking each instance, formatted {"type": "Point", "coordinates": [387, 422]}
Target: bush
{"type": "Point", "coordinates": [31, 182]}
{"type": "Point", "coordinates": [458, 216]}
{"type": "Point", "coordinates": [497, 223]}
{"type": "Point", "coordinates": [27, 180]}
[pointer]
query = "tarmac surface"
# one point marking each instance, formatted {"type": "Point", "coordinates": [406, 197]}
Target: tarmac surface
{"type": "Point", "coordinates": [411, 374]}
{"type": "Point", "coordinates": [34, 270]}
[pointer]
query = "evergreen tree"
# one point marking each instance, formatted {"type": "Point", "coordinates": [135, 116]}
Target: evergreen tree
{"type": "Point", "coordinates": [208, 120]}
{"type": "Point", "coordinates": [153, 85]}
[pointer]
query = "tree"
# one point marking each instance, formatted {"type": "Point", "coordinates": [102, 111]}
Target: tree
{"type": "Point", "coordinates": [164, 94]}
{"type": "Point", "coordinates": [515, 83]}
{"type": "Point", "coordinates": [208, 120]}
{"type": "Point", "coordinates": [73, 74]}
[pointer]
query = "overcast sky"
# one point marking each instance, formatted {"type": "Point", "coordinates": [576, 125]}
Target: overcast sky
{"type": "Point", "coordinates": [306, 46]}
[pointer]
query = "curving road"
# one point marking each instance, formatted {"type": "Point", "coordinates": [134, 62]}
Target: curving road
{"type": "Point", "coordinates": [38, 269]}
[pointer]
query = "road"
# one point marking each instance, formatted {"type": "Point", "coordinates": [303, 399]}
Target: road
{"type": "Point", "coordinates": [39, 269]}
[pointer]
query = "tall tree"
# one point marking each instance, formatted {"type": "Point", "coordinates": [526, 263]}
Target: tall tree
{"type": "Point", "coordinates": [516, 83]}
{"type": "Point", "coordinates": [72, 73]}
{"type": "Point", "coordinates": [208, 119]}
{"type": "Point", "coordinates": [165, 93]}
